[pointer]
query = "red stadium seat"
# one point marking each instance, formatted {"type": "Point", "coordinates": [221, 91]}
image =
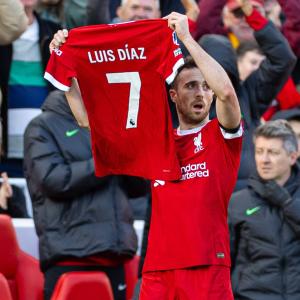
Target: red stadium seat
{"type": "Point", "coordinates": [83, 285]}
{"type": "Point", "coordinates": [131, 275]}
{"type": "Point", "coordinates": [4, 288]}
{"type": "Point", "coordinates": [21, 270]}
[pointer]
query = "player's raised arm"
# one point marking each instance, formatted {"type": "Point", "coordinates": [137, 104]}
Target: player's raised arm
{"type": "Point", "coordinates": [76, 104]}
{"type": "Point", "coordinates": [73, 95]}
{"type": "Point", "coordinates": [227, 106]}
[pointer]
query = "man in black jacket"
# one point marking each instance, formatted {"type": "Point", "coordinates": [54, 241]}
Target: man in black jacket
{"type": "Point", "coordinates": [260, 88]}
{"type": "Point", "coordinates": [264, 220]}
{"type": "Point", "coordinates": [83, 222]}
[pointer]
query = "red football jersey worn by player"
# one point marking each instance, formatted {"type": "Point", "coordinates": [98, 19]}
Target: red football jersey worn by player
{"type": "Point", "coordinates": [121, 70]}
{"type": "Point", "coordinates": [189, 216]}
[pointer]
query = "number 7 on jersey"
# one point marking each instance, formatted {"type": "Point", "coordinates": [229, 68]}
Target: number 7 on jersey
{"type": "Point", "coordinates": [134, 95]}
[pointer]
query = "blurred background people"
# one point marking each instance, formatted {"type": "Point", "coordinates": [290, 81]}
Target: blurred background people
{"type": "Point", "coordinates": [12, 200]}
{"type": "Point", "coordinates": [13, 21]}
{"type": "Point", "coordinates": [75, 13]}
{"type": "Point", "coordinates": [264, 220]}
{"type": "Point", "coordinates": [258, 90]}
{"type": "Point", "coordinates": [22, 84]}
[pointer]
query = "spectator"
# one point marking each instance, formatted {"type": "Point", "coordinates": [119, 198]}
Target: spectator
{"type": "Point", "coordinates": [264, 220]}
{"type": "Point", "coordinates": [226, 18]}
{"type": "Point", "coordinates": [13, 21]}
{"type": "Point", "coordinates": [293, 118]}
{"type": "Point", "coordinates": [12, 200]}
{"type": "Point", "coordinates": [249, 58]}
{"type": "Point", "coordinates": [83, 222]}
{"type": "Point", "coordinates": [259, 89]}
{"type": "Point", "coordinates": [74, 13]}
{"type": "Point", "coordinates": [22, 84]}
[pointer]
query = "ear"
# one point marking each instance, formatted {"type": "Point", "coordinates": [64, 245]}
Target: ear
{"type": "Point", "coordinates": [119, 12]}
{"type": "Point", "coordinates": [293, 158]}
{"type": "Point", "coordinates": [173, 95]}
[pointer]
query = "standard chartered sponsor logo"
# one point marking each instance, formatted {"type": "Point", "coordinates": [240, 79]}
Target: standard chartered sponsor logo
{"type": "Point", "coordinates": [194, 170]}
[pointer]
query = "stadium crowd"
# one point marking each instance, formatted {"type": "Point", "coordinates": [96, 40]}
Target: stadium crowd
{"type": "Point", "coordinates": [85, 222]}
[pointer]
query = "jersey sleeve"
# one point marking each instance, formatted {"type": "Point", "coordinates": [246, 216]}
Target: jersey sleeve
{"type": "Point", "coordinates": [172, 57]}
{"type": "Point", "coordinates": [59, 70]}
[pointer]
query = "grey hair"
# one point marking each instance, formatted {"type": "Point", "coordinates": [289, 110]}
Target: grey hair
{"type": "Point", "coordinates": [123, 2]}
{"type": "Point", "coordinates": [280, 129]}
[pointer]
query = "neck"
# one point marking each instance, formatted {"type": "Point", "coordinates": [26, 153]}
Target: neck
{"type": "Point", "coordinates": [186, 126]}
{"type": "Point", "coordinates": [281, 181]}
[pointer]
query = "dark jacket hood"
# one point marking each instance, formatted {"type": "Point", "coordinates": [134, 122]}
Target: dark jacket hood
{"type": "Point", "coordinates": [220, 48]}
{"type": "Point", "coordinates": [56, 102]}
{"type": "Point", "coordinates": [288, 114]}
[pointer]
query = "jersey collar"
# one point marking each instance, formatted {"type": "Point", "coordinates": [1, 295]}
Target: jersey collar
{"type": "Point", "coordinates": [190, 131]}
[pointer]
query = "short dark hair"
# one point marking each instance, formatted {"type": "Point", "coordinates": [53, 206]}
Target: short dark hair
{"type": "Point", "coordinates": [280, 129]}
{"type": "Point", "coordinates": [189, 63]}
{"type": "Point", "coordinates": [247, 46]}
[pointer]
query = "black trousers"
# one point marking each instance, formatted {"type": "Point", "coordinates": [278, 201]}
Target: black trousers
{"type": "Point", "coordinates": [116, 276]}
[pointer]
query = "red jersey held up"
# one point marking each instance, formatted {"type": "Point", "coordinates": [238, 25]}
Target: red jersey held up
{"type": "Point", "coordinates": [189, 217]}
{"type": "Point", "coordinates": [121, 70]}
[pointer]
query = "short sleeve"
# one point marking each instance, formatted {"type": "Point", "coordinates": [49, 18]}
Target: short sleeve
{"type": "Point", "coordinates": [172, 57]}
{"type": "Point", "coordinates": [59, 70]}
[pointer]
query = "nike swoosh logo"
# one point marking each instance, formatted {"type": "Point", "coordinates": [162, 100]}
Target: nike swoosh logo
{"type": "Point", "coordinates": [251, 211]}
{"type": "Point", "coordinates": [70, 133]}
{"type": "Point", "coordinates": [122, 287]}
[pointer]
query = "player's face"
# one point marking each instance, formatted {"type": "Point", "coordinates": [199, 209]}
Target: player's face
{"type": "Point", "coordinates": [138, 10]}
{"type": "Point", "coordinates": [192, 97]}
{"type": "Point", "coordinates": [273, 162]}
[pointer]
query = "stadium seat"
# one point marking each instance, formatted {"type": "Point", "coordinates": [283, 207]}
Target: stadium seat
{"type": "Point", "coordinates": [21, 270]}
{"type": "Point", "coordinates": [131, 275]}
{"type": "Point", "coordinates": [83, 285]}
{"type": "Point", "coordinates": [4, 288]}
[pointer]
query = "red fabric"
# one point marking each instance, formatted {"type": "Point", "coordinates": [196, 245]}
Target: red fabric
{"type": "Point", "coordinates": [192, 26]}
{"type": "Point", "coordinates": [4, 288]}
{"type": "Point", "coordinates": [91, 261]}
{"type": "Point", "coordinates": [272, 109]}
{"type": "Point", "coordinates": [189, 217]}
{"type": "Point", "coordinates": [20, 269]}
{"type": "Point", "coordinates": [288, 97]}
{"type": "Point", "coordinates": [131, 275]}
{"type": "Point", "coordinates": [9, 249]}
{"type": "Point", "coordinates": [83, 285]}
{"type": "Point", "coordinates": [209, 283]}
{"type": "Point", "coordinates": [256, 21]}
{"type": "Point", "coordinates": [122, 144]}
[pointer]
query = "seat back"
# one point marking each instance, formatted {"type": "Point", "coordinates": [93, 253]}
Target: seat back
{"type": "Point", "coordinates": [21, 270]}
{"type": "Point", "coordinates": [4, 289]}
{"type": "Point", "coordinates": [131, 275]}
{"type": "Point", "coordinates": [83, 285]}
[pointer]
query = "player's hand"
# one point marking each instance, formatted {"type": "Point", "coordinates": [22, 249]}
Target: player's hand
{"type": "Point", "coordinates": [179, 23]}
{"type": "Point", "coordinates": [59, 38]}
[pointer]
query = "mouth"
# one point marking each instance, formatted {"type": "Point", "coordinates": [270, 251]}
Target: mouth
{"type": "Point", "coordinates": [198, 107]}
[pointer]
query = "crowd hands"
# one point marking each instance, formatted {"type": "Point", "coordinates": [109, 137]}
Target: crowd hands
{"type": "Point", "coordinates": [264, 72]}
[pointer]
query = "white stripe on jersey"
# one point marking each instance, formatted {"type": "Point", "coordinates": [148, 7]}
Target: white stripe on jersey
{"type": "Point", "coordinates": [56, 83]}
{"type": "Point", "coordinates": [229, 136]}
{"type": "Point", "coordinates": [171, 77]}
